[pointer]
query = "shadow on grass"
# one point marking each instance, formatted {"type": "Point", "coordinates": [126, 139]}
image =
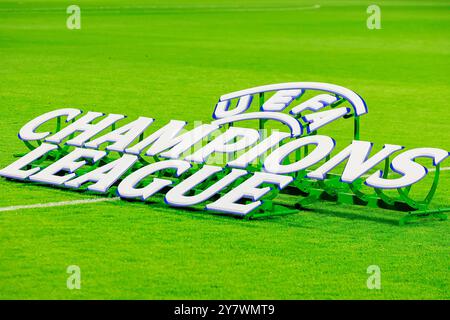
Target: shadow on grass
{"type": "Point", "coordinates": [365, 214]}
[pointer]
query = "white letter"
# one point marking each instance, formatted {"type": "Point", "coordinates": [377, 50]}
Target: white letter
{"type": "Point", "coordinates": [404, 164]}
{"type": "Point", "coordinates": [281, 99]}
{"type": "Point", "coordinates": [74, 280]}
{"type": "Point", "coordinates": [176, 197]}
{"type": "Point", "coordinates": [273, 140]}
{"type": "Point", "coordinates": [273, 163]}
{"type": "Point", "coordinates": [374, 280]}
{"type": "Point", "coordinates": [67, 163]}
{"type": "Point", "coordinates": [374, 20]}
{"type": "Point", "coordinates": [28, 131]}
{"type": "Point", "coordinates": [122, 136]}
{"type": "Point", "coordinates": [319, 119]}
{"type": "Point", "coordinates": [14, 170]}
{"type": "Point", "coordinates": [84, 125]}
{"type": "Point", "coordinates": [106, 175]}
{"type": "Point", "coordinates": [222, 107]}
{"type": "Point", "coordinates": [127, 188]}
{"type": "Point", "coordinates": [248, 189]}
{"type": "Point", "coordinates": [246, 136]}
{"type": "Point", "coordinates": [167, 137]}
{"type": "Point", "coordinates": [358, 162]}
{"type": "Point", "coordinates": [74, 20]}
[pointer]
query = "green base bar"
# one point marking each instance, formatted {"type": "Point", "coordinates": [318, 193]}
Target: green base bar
{"type": "Point", "coordinates": [439, 214]}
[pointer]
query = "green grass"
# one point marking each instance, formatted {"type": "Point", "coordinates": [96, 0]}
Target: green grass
{"type": "Point", "coordinates": [172, 61]}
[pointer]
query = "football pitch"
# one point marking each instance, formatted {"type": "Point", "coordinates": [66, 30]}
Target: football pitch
{"type": "Point", "coordinates": [173, 60]}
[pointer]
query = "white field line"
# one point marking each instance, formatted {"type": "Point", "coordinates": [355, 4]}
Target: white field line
{"type": "Point", "coordinates": [210, 8]}
{"type": "Point", "coordinates": [58, 204]}
{"type": "Point", "coordinates": [442, 169]}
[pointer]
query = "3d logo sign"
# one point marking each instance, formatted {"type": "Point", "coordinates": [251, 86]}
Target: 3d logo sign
{"type": "Point", "coordinates": [275, 167]}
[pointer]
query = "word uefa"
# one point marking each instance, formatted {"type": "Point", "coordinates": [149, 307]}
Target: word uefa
{"type": "Point", "coordinates": [135, 162]}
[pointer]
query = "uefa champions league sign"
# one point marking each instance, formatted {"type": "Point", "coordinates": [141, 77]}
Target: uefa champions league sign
{"type": "Point", "coordinates": [268, 137]}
